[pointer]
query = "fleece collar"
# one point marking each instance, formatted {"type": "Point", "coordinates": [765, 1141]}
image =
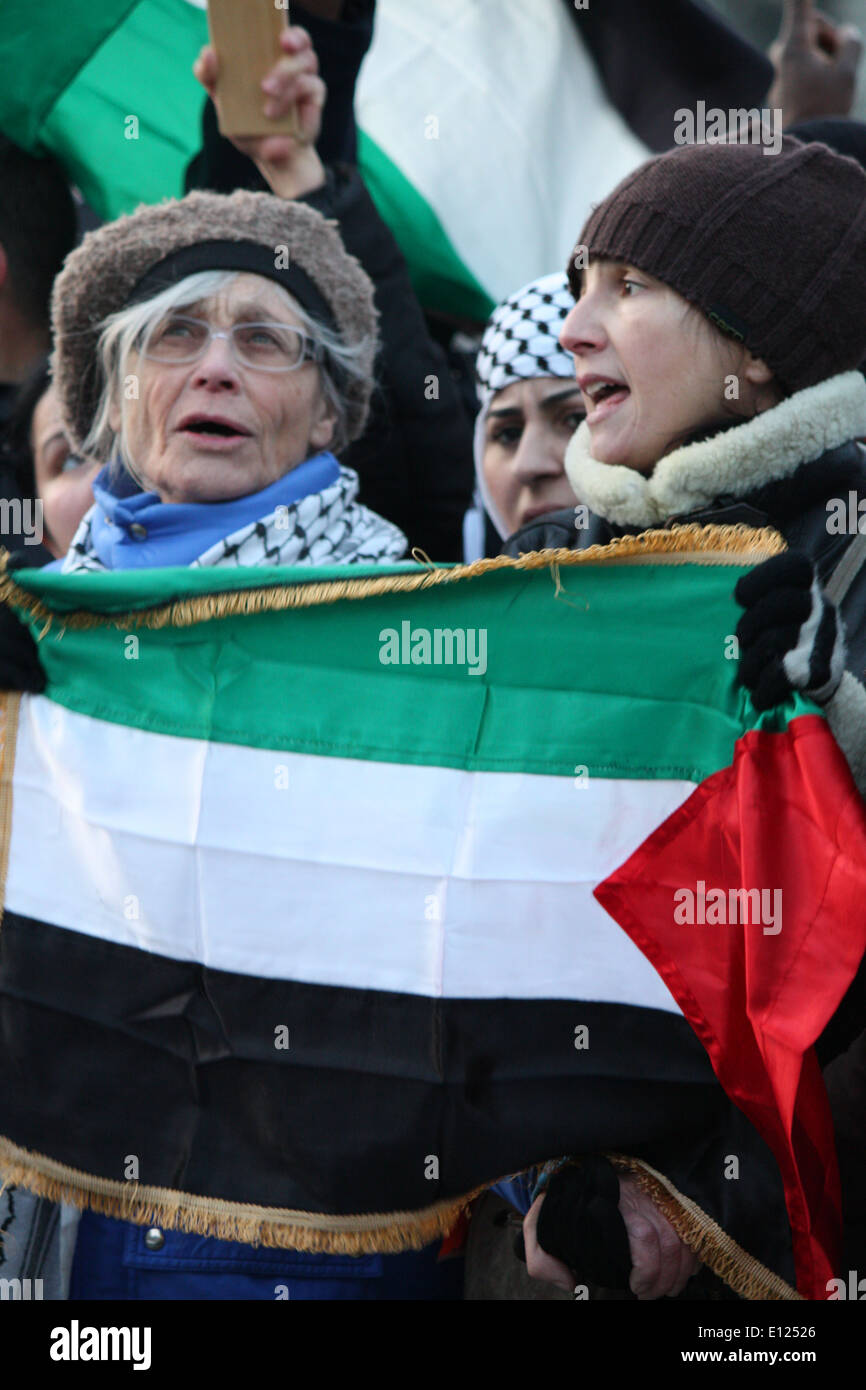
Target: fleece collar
{"type": "Point", "coordinates": [734, 462]}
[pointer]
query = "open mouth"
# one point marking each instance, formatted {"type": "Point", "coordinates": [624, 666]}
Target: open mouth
{"type": "Point", "coordinates": [213, 427]}
{"type": "Point", "coordinates": [602, 396]}
{"type": "Point", "coordinates": [208, 428]}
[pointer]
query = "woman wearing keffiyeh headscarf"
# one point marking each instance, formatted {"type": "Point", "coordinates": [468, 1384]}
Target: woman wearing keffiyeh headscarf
{"type": "Point", "coordinates": [530, 406]}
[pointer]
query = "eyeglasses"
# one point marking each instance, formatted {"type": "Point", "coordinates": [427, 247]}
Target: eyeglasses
{"type": "Point", "coordinates": [267, 347]}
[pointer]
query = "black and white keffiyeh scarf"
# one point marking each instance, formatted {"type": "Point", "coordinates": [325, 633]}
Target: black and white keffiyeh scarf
{"type": "Point", "coordinates": [325, 528]}
{"type": "Point", "coordinates": [520, 343]}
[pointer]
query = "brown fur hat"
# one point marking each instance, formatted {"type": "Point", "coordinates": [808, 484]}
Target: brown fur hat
{"type": "Point", "coordinates": [100, 275]}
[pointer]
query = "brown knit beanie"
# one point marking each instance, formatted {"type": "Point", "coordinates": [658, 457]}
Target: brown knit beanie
{"type": "Point", "coordinates": [138, 255]}
{"type": "Point", "coordinates": [772, 247]}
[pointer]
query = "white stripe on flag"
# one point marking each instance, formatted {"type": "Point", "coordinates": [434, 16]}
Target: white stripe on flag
{"type": "Point", "coordinates": [424, 880]}
{"type": "Point", "coordinates": [498, 118]}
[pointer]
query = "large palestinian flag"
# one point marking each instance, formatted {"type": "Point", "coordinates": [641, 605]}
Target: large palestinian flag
{"type": "Point", "coordinates": [331, 898]}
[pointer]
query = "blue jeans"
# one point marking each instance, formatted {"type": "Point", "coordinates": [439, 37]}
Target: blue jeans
{"type": "Point", "coordinates": [112, 1261]}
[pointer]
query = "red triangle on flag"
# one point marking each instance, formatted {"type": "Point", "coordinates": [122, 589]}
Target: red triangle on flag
{"type": "Point", "coordinates": [759, 977]}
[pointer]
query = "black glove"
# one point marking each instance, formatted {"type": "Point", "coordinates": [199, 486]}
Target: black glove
{"type": "Point", "coordinates": [20, 667]}
{"type": "Point", "coordinates": [579, 1223]}
{"type": "Point", "coordinates": [791, 637]}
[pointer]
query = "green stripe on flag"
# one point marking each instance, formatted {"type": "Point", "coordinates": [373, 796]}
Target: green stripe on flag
{"type": "Point", "coordinates": [443, 282]}
{"type": "Point", "coordinates": [623, 672]}
{"type": "Point", "coordinates": [42, 49]}
{"type": "Point", "coordinates": [118, 164]}
{"type": "Point", "coordinates": [72, 81]}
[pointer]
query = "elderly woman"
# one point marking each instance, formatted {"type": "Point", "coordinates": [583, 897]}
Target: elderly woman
{"type": "Point", "coordinates": [212, 357]}
{"type": "Point", "coordinates": [213, 354]}
{"type": "Point", "coordinates": [210, 353]}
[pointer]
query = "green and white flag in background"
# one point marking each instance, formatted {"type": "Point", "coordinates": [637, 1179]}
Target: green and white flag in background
{"type": "Point", "coordinates": [484, 130]}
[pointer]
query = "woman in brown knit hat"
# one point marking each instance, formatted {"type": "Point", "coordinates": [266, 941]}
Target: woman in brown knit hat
{"type": "Point", "coordinates": [214, 350]}
{"type": "Point", "coordinates": [718, 327]}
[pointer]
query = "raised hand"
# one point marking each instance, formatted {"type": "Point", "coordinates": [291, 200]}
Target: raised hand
{"type": "Point", "coordinates": [288, 162]}
{"type": "Point", "coordinates": [816, 64]}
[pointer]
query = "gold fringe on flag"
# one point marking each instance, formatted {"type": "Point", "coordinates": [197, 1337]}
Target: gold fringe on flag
{"type": "Point", "coordinates": [390, 1232]}
{"type": "Point", "coordinates": [387, 1233]}
{"type": "Point", "coordinates": [680, 545]}
{"type": "Point", "coordinates": [277, 1227]}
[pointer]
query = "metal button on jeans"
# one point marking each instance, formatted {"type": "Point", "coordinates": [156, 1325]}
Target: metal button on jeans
{"type": "Point", "coordinates": [154, 1239]}
{"type": "Point", "coordinates": [139, 531]}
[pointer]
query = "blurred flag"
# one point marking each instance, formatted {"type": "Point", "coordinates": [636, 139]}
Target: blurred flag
{"type": "Point", "coordinates": [486, 131]}
{"type": "Point", "coordinates": [107, 88]}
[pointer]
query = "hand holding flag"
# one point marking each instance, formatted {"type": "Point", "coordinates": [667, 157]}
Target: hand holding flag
{"type": "Point", "coordinates": [791, 637]}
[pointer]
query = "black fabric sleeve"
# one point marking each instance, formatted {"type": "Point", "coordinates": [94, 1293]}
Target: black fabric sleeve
{"type": "Point", "coordinates": [20, 667]}
{"type": "Point", "coordinates": [415, 457]}
{"type": "Point", "coordinates": [559, 531]}
{"type": "Point", "coordinates": [579, 1223]}
{"type": "Point", "coordinates": [845, 1079]}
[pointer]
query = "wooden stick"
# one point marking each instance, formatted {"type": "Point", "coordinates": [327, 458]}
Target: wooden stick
{"type": "Point", "coordinates": [246, 36]}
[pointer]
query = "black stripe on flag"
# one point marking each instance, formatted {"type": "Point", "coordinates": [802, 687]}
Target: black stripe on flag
{"type": "Point", "coordinates": [111, 1052]}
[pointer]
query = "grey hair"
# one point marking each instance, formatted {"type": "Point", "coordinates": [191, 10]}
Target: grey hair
{"type": "Point", "coordinates": [124, 331]}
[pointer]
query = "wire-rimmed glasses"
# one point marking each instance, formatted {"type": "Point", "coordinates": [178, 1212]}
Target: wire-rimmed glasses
{"type": "Point", "coordinates": [266, 347]}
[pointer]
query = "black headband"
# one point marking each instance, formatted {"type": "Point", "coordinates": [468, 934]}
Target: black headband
{"type": "Point", "coordinates": [249, 256]}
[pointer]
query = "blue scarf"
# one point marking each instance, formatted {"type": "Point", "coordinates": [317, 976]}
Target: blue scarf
{"type": "Point", "coordinates": [135, 530]}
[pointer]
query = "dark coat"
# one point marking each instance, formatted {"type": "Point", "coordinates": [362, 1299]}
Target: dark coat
{"type": "Point", "coordinates": [415, 456]}
{"type": "Point", "coordinates": [340, 47]}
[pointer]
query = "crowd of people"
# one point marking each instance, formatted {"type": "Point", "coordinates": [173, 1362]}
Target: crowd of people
{"type": "Point", "coordinates": [699, 358]}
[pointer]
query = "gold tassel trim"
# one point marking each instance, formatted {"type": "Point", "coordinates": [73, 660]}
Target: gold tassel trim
{"type": "Point", "coordinates": [276, 1227]}
{"type": "Point", "coordinates": [373, 1233]}
{"type": "Point", "coordinates": [10, 702]}
{"type": "Point", "coordinates": [748, 1278]}
{"type": "Point", "coordinates": [680, 545]}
